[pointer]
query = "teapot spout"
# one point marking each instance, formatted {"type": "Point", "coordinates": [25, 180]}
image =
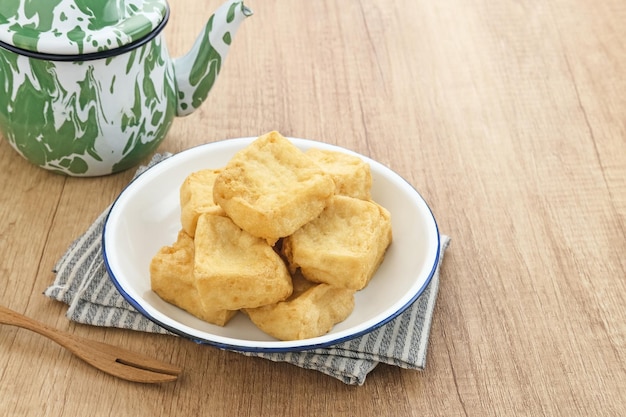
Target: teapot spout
{"type": "Point", "coordinates": [196, 72]}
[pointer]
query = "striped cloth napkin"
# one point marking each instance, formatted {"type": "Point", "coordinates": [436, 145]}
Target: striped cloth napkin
{"type": "Point", "coordinates": [83, 283]}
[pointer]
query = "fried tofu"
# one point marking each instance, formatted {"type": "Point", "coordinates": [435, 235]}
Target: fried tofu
{"type": "Point", "coordinates": [171, 277]}
{"type": "Point", "coordinates": [285, 236]}
{"type": "Point", "coordinates": [342, 247]}
{"type": "Point", "coordinates": [196, 197]}
{"type": "Point", "coordinates": [271, 188]}
{"type": "Point", "coordinates": [352, 175]}
{"type": "Point", "coordinates": [311, 311]}
{"type": "Point", "coordinates": [235, 270]}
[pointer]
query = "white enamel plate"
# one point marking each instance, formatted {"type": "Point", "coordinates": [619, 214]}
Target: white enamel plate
{"type": "Point", "coordinates": [146, 216]}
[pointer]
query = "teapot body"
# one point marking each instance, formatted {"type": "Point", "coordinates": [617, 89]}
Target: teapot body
{"type": "Point", "coordinates": [88, 117]}
{"type": "Point", "coordinates": [88, 88]}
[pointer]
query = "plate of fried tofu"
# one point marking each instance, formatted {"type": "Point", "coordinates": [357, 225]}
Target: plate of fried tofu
{"type": "Point", "coordinates": [270, 244]}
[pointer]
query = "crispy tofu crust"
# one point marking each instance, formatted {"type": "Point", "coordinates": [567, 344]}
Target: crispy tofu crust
{"type": "Point", "coordinates": [196, 197]}
{"type": "Point", "coordinates": [352, 175]}
{"type": "Point", "coordinates": [342, 247]}
{"type": "Point", "coordinates": [171, 277]}
{"type": "Point", "coordinates": [234, 269]}
{"type": "Point", "coordinates": [270, 188]}
{"type": "Point", "coordinates": [311, 311]}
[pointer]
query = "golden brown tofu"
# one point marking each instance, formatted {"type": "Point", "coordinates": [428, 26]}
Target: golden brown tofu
{"type": "Point", "coordinates": [342, 247]}
{"type": "Point", "coordinates": [234, 269]}
{"type": "Point", "coordinates": [271, 188]}
{"type": "Point", "coordinates": [196, 197]}
{"type": "Point", "coordinates": [311, 311]}
{"type": "Point", "coordinates": [171, 277]}
{"type": "Point", "coordinates": [351, 174]}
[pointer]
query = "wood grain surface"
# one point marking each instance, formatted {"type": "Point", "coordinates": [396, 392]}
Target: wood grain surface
{"type": "Point", "coordinates": [509, 118]}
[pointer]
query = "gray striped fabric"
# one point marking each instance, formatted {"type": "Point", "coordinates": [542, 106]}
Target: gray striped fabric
{"type": "Point", "coordinates": [83, 283]}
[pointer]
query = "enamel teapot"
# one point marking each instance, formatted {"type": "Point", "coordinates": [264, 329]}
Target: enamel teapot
{"type": "Point", "coordinates": [87, 87]}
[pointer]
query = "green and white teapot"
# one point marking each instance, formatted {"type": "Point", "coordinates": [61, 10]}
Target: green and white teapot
{"type": "Point", "coordinates": [87, 87]}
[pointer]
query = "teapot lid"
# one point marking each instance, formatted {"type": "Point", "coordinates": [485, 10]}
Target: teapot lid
{"type": "Point", "coordinates": [78, 27]}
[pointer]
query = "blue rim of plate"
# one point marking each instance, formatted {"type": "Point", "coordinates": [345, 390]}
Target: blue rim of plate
{"type": "Point", "coordinates": [239, 348]}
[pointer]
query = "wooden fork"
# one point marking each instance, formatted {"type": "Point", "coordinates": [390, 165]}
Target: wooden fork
{"type": "Point", "coordinates": [113, 360]}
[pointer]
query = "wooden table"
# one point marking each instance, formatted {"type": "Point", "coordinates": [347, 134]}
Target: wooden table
{"type": "Point", "coordinates": [508, 117]}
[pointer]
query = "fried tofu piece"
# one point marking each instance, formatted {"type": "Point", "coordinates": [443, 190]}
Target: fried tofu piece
{"type": "Point", "coordinates": [196, 197]}
{"type": "Point", "coordinates": [234, 269]}
{"type": "Point", "coordinates": [271, 188]}
{"type": "Point", "coordinates": [171, 277]}
{"type": "Point", "coordinates": [342, 247]}
{"type": "Point", "coordinates": [352, 175]}
{"type": "Point", "coordinates": [311, 311]}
